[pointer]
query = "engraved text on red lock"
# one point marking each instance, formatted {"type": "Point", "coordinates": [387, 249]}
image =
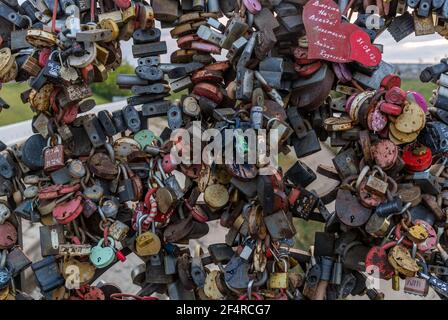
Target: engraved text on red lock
{"type": "Point", "coordinates": [330, 39]}
{"type": "Point", "coordinates": [54, 158]}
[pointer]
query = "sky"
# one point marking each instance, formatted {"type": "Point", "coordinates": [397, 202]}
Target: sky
{"type": "Point", "coordinates": [412, 49]}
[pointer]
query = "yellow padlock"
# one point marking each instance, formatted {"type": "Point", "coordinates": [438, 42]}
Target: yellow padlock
{"type": "Point", "coordinates": [111, 25]}
{"type": "Point", "coordinates": [4, 293]}
{"type": "Point", "coordinates": [418, 233]}
{"type": "Point", "coordinates": [402, 261]}
{"type": "Point", "coordinates": [147, 243]}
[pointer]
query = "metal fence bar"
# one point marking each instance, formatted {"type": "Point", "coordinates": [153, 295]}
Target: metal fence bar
{"type": "Point", "coordinates": [17, 132]}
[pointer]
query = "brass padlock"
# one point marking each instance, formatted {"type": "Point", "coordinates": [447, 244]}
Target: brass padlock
{"type": "Point", "coordinates": [423, 25]}
{"type": "Point", "coordinates": [279, 280]}
{"type": "Point", "coordinates": [400, 259]}
{"type": "Point", "coordinates": [147, 243]}
{"type": "Point", "coordinates": [417, 233]}
{"type": "Point", "coordinates": [376, 185]}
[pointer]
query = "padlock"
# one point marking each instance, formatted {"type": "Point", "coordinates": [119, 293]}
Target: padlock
{"type": "Point", "coordinates": [125, 190]}
{"type": "Point", "coordinates": [47, 274]}
{"type": "Point", "coordinates": [147, 243]}
{"type": "Point", "coordinates": [102, 256]}
{"type": "Point", "coordinates": [278, 280]}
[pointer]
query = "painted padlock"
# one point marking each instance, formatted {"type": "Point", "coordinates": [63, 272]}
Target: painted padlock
{"type": "Point", "coordinates": [66, 212]}
{"type": "Point", "coordinates": [102, 256]}
{"type": "Point", "coordinates": [385, 154]}
{"type": "Point", "coordinates": [417, 157]}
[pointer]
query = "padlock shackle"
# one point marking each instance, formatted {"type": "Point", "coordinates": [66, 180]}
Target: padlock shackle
{"type": "Point", "coordinates": [3, 254]}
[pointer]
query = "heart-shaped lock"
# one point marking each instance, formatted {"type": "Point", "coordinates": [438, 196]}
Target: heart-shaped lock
{"type": "Point", "coordinates": [101, 256]}
{"type": "Point", "coordinates": [362, 50]}
{"type": "Point", "coordinates": [68, 211]}
{"type": "Point", "coordinates": [330, 39]}
{"type": "Point", "coordinates": [144, 138]}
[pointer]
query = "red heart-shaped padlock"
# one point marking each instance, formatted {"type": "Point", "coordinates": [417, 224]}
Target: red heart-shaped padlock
{"type": "Point", "coordinates": [362, 50]}
{"type": "Point", "coordinates": [330, 39]}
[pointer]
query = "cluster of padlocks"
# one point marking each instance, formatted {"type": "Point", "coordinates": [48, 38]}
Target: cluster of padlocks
{"type": "Point", "coordinates": [104, 185]}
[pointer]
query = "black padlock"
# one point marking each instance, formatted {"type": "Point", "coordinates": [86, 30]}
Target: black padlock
{"type": "Point", "coordinates": [61, 176]}
{"type": "Point", "coordinates": [307, 145]}
{"type": "Point", "coordinates": [117, 117]}
{"type": "Point", "coordinates": [131, 118]}
{"type": "Point", "coordinates": [26, 8]}
{"type": "Point", "coordinates": [107, 123]}
{"type": "Point", "coordinates": [47, 274]}
{"type": "Point", "coordinates": [32, 152]}
{"type": "Point", "coordinates": [80, 144]}
{"type": "Point", "coordinates": [125, 187]}
{"type": "Point", "coordinates": [94, 130]}
{"type": "Point", "coordinates": [346, 163]}
{"type": "Point", "coordinates": [303, 203]}
{"type": "Point", "coordinates": [432, 73]}
{"type": "Point", "coordinates": [151, 73]}
{"type": "Point", "coordinates": [27, 211]}
{"type": "Point", "coordinates": [401, 26]}
{"type": "Point", "coordinates": [136, 100]}
{"type": "Point", "coordinates": [435, 137]}
{"type": "Point", "coordinates": [146, 35]}
{"type": "Point", "coordinates": [52, 69]}
{"type": "Point", "coordinates": [300, 174]}
{"type": "Point", "coordinates": [7, 166]}
{"type": "Point", "coordinates": [17, 261]}
{"type": "Point", "coordinates": [156, 108]}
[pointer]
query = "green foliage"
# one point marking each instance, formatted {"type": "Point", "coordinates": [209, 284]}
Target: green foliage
{"type": "Point", "coordinates": [416, 85]}
{"type": "Point", "coordinates": [19, 111]}
{"type": "Point", "coordinates": [108, 88]}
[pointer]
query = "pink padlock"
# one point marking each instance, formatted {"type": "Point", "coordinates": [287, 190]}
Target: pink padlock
{"type": "Point", "coordinates": [123, 4]}
{"type": "Point", "coordinates": [253, 6]}
{"type": "Point", "coordinates": [390, 108]}
{"type": "Point", "coordinates": [376, 120]}
{"type": "Point", "coordinates": [419, 99]}
{"type": "Point", "coordinates": [168, 164]}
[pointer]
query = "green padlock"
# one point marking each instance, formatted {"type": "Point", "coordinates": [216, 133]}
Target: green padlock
{"type": "Point", "coordinates": [101, 256]}
{"type": "Point", "coordinates": [146, 138]}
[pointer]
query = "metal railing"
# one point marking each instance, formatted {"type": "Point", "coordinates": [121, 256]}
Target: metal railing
{"type": "Point", "coordinates": [17, 132]}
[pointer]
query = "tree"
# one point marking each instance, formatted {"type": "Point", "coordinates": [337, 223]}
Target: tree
{"type": "Point", "coordinates": [109, 88]}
